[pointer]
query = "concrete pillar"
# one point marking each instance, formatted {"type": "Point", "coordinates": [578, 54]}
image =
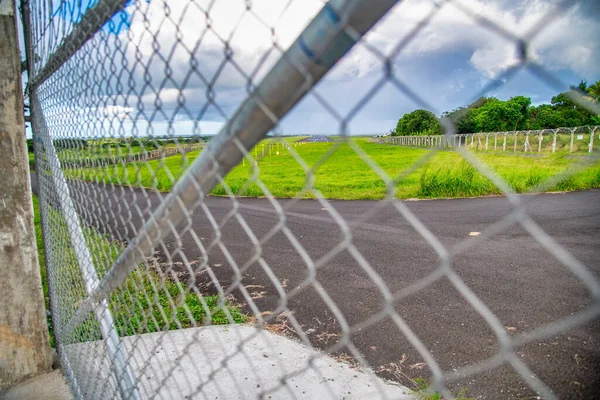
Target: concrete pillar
{"type": "Point", "coordinates": [24, 347]}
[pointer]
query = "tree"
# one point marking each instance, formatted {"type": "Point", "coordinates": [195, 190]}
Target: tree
{"type": "Point", "coordinates": [544, 116]}
{"type": "Point", "coordinates": [594, 91]}
{"type": "Point", "coordinates": [499, 116]}
{"type": "Point", "coordinates": [520, 104]}
{"type": "Point", "coordinates": [464, 117]}
{"type": "Point", "coordinates": [582, 87]}
{"type": "Point", "coordinates": [489, 114]}
{"type": "Point", "coordinates": [572, 114]}
{"type": "Point", "coordinates": [419, 122]}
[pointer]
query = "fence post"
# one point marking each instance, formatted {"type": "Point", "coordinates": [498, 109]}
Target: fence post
{"type": "Point", "coordinates": [541, 137]}
{"type": "Point", "coordinates": [591, 145]}
{"type": "Point", "coordinates": [24, 346]}
{"type": "Point", "coordinates": [572, 140]}
{"type": "Point", "coordinates": [554, 140]}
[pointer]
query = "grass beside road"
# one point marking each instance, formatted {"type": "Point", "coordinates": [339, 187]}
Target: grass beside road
{"type": "Point", "coordinates": [148, 301]}
{"type": "Point", "coordinates": [343, 174]}
{"type": "Point", "coordinates": [37, 222]}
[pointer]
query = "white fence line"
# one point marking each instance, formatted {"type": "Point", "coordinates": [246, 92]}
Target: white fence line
{"type": "Point", "coordinates": [125, 159]}
{"type": "Point", "coordinates": [482, 140]}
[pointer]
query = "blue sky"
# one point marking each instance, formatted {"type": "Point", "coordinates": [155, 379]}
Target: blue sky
{"type": "Point", "coordinates": [447, 64]}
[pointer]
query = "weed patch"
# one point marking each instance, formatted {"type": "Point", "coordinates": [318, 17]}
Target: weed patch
{"type": "Point", "coordinates": [423, 391]}
{"type": "Point", "coordinates": [463, 181]}
{"type": "Point", "coordinates": [148, 301]}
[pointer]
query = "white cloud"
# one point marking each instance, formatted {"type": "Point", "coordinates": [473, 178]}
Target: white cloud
{"type": "Point", "coordinates": [178, 55]}
{"type": "Point", "coordinates": [195, 35]}
{"type": "Point", "coordinates": [570, 41]}
{"type": "Point", "coordinates": [197, 31]}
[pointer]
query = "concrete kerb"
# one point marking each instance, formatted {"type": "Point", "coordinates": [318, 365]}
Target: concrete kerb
{"type": "Point", "coordinates": [194, 354]}
{"type": "Point", "coordinates": [51, 386]}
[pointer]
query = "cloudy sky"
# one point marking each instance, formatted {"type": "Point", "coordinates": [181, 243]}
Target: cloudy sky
{"type": "Point", "coordinates": [172, 60]}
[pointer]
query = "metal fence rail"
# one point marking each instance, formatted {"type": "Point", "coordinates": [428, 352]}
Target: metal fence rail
{"type": "Point", "coordinates": [141, 278]}
{"type": "Point", "coordinates": [527, 141]}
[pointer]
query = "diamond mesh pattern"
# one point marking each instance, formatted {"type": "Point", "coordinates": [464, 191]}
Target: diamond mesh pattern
{"type": "Point", "coordinates": [139, 255]}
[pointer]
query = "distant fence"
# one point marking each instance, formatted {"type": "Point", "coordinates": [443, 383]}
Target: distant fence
{"type": "Point", "coordinates": [525, 141]}
{"type": "Point", "coordinates": [93, 161]}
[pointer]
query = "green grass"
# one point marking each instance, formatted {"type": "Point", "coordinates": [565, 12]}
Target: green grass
{"type": "Point", "coordinates": [343, 174]}
{"type": "Point", "coordinates": [31, 161]}
{"type": "Point", "coordinates": [148, 301]}
{"type": "Point", "coordinates": [37, 222]}
{"type": "Point", "coordinates": [422, 391]}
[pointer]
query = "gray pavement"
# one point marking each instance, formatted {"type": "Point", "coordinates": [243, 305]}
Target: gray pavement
{"type": "Point", "coordinates": [512, 274]}
{"type": "Point", "coordinates": [164, 372]}
{"type": "Point", "coordinates": [316, 139]}
{"type": "Point", "coordinates": [50, 386]}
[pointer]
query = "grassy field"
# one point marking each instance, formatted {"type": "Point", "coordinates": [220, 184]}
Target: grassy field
{"type": "Point", "coordinates": [148, 301]}
{"type": "Point", "coordinates": [340, 173]}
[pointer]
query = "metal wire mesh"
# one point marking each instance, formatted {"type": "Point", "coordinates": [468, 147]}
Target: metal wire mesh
{"type": "Point", "coordinates": [144, 266]}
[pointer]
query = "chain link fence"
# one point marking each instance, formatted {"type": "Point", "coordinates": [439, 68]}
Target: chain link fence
{"type": "Point", "coordinates": [159, 290]}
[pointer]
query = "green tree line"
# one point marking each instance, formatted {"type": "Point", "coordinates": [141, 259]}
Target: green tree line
{"type": "Point", "coordinates": [489, 114]}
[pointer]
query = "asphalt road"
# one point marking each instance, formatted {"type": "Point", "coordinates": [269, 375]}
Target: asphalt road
{"type": "Point", "coordinates": [520, 282]}
{"type": "Point", "coordinates": [316, 139]}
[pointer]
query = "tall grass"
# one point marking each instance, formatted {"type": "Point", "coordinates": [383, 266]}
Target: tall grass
{"type": "Point", "coordinates": [463, 181]}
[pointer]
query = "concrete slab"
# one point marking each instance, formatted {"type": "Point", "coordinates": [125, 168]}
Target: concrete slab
{"type": "Point", "coordinates": [226, 362]}
{"type": "Point", "coordinates": [50, 386]}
